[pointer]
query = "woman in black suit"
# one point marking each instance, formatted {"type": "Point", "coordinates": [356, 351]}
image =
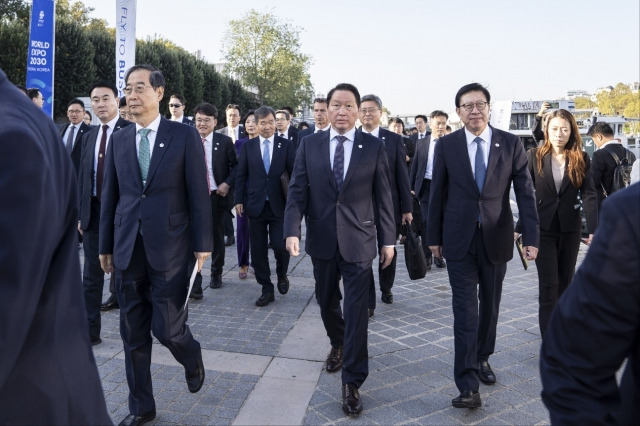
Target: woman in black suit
{"type": "Point", "coordinates": [561, 171]}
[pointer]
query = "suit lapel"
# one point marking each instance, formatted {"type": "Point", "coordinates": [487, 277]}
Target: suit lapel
{"type": "Point", "coordinates": [356, 155]}
{"type": "Point", "coordinates": [495, 156]}
{"type": "Point", "coordinates": [565, 177]}
{"type": "Point", "coordinates": [547, 174]}
{"type": "Point", "coordinates": [325, 152]}
{"type": "Point", "coordinates": [462, 153]}
{"type": "Point", "coordinates": [276, 157]}
{"type": "Point", "coordinates": [163, 138]}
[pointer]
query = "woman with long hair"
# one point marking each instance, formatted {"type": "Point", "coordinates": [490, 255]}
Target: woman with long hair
{"type": "Point", "coordinates": [242, 222]}
{"type": "Point", "coordinates": [561, 172]}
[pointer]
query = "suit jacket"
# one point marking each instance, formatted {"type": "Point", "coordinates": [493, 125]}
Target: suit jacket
{"type": "Point", "coordinates": [85, 176]}
{"type": "Point", "coordinates": [172, 210]}
{"type": "Point", "coordinates": [253, 184]}
{"type": "Point", "coordinates": [292, 135]}
{"type": "Point", "coordinates": [77, 143]}
{"type": "Point", "coordinates": [455, 202]}
{"type": "Point", "coordinates": [48, 374]}
{"type": "Point", "coordinates": [224, 161]}
{"type": "Point", "coordinates": [564, 202]}
{"type": "Point", "coordinates": [419, 164]}
{"type": "Point", "coordinates": [603, 166]}
{"type": "Point", "coordinates": [414, 137]}
{"type": "Point", "coordinates": [345, 219]}
{"type": "Point", "coordinates": [185, 120]}
{"type": "Point", "coordinates": [399, 176]}
{"type": "Point", "coordinates": [225, 131]}
{"type": "Point", "coordinates": [596, 325]}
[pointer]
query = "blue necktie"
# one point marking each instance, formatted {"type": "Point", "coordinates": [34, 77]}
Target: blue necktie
{"type": "Point", "coordinates": [265, 156]}
{"type": "Point", "coordinates": [481, 168]}
{"type": "Point", "coordinates": [144, 154]}
{"type": "Point", "coordinates": [338, 162]}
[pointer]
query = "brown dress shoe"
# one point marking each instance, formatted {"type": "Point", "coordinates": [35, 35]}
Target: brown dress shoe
{"type": "Point", "coordinates": [334, 360]}
{"type": "Point", "coordinates": [351, 402]}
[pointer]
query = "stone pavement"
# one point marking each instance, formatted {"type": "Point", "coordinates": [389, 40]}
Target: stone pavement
{"type": "Point", "coordinates": [265, 365]}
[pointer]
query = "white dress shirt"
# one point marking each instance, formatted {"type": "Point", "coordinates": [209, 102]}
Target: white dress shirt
{"type": "Point", "coordinates": [348, 148]}
{"type": "Point", "coordinates": [432, 150]}
{"type": "Point", "coordinates": [472, 147]}
{"type": "Point", "coordinates": [96, 151]}
{"type": "Point", "coordinates": [153, 126]}
{"type": "Point", "coordinates": [75, 135]}
{"type": "Point", "coordinates": [322, 130]}
{"type": "Point", "coordinates": [208, 152]}
{"type": "Point", "coordinates": [270, 147]}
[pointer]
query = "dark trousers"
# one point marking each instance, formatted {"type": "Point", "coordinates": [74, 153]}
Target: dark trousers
{"type": "Point", "coordinates": [152, 300]}
{"type": "Point", "coordinates": [219, 210]}
{"type": "Point", "coordinates": [228, 224]}
{"type": "Point", "coordinates": [473, 279]}
{"type": "Point", "coordinates": [92, 274]}
{"type": "Point", "coordinates": [262, 229]}
{"type": "Point", "coordinates": [386, 277]}
{"type": "Point", "coordinates": [349, 330]}
{"type": "Point", "coordinates": [556, 264]}
{"type": "Point", "coordinates": [423, 197]}
{"type": "Point", "coordinates": [242, 240]}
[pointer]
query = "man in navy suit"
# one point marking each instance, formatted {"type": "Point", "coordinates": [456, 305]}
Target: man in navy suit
{"type": "Point", "coordinates": [284, 128]}
{"type": "Point", "coordinates": [155, 215]}
{"type": "Point", "coordinates": [177, 106]}
{"type": "Point", "coordinates": [421, 128]}
{"type": "Point", "coordinates": [321, 117]}
{"type": "Point", "coordinates": [259, 195]}
{"type": "Point", "coordinates": [73, 132]}
{"type": "Point", "coordinates": [370, 114]}
{"type": "Point", "coordinates": [471, 224]}
{"type": "Point", "coordinates": [421, 173]}
{"type": "Point", "coordinates": [221, 162]}
{"type": "Point", "coordinates": [104, 101]}
{"type": "Point", "coordinates": [338, 174]}
{"type": "Point", "coordinates": [48, 374]}
{"type": "Point", "coordinates": [596, 326]}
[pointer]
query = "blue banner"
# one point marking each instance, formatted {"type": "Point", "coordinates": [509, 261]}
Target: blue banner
{"type": "Point", "coordinates": [40, 57]}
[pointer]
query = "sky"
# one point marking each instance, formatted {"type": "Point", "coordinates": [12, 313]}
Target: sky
{"type": "Point", "coordinates": [416, 54]}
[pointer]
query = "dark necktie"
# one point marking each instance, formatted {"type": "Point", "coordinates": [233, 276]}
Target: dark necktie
{"type": "Point", "coordinates": [101, 152]}
{"type": "Point", "coordinates": [144, 154]}
{"type": "Point", "coordinates": [481, 168]}
{"type": "Point", "coordinates": [206, 163]}
{"type": "Point", "coordinates": [338, 162]}
{"type": "Point", "coordinates": [70, 139]}
{"type": "Point", "coordinates": [420, 136]}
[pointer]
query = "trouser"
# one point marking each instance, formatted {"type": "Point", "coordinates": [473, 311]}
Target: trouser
{"type": "Point", "coordinates": [92, 274]}
{"type": "Point", "coordinates": [262, 229]}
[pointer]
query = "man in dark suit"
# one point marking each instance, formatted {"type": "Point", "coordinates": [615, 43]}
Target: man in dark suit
{"type": "Point", "coordinates": [73, 131]}
{"type": "Point", "coordinates": [421, 127]}
{"type": "Point", "coordinates": [338, 174]}
{"type": "Point", "coordinates": [421, 173]}
{"type": "Point", "coordinates": [596, 326]}
{"type": "Point", "coordinates": [471, 224]}
{"type": "Point", "coordinates": [221, 159]}
{"type": "Point", "coordinates": [48, 374]}
{"type": "Point", "coordinates": [155, 214]}
{"type": "Point", "coordinates": [370, 113]}
{"type": "Point", "coordinates": [259, 195]}
{"type": "Point", "coordinates": [603, 165]}
{"type": "Point", "coordinates": [321, 117]}
{"type": "Point", "coordinates": [177, 106]}
{"type": "Point", "coordinates": [104, 101]}
{"type": "Point", "coordinates": [284, 128]}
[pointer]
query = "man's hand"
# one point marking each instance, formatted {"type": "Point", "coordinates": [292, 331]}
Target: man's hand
{"type": "Point", "coordinates": [293, 246]}
{"type": "Point", "coordinates": [543, 108]}
{"type": "Point", "coordinates": [407, 218]}
{"type": "Point", "coordinates": [515, 236]}
{"type": "Point", "coordinates": [79, 227]}
{"type": "Point", "coordinates": [201, 256]}
{"type": "Point", "coordinates": [239, 209]}
{"type": "Point", "coordinates": [223, 189]}
{"type": "Point", "coordinates": [386, 256]}
{"type": "Point", "coordinates": [531, 252]}
{"type": "Point", "coordinates": [436, 251]}
{"type": "Point", "coordinates": [106, 263]}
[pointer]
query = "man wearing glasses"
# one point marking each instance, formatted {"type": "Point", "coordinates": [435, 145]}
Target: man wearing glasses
{"type": "Point", "coordinates": [72, 133]}
{"type": "Point", "coordinates": [283, 126]}
{"type": "Point", "coordinates": [177, 106]}
{"type": "Point", "coordinates": [470, 223]}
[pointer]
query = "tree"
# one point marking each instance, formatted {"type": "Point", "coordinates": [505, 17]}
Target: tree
{"type": "Point", "coordinates": [265, 54]}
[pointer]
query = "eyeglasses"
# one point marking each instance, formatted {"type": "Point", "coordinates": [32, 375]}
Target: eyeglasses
{"type": "Point", "coordinates": [366, 111]}
{"type": "Point", "coordinates": [140, 88]}
{"type": "Point", "coordinates": [74, 111]}
{"type": "Point", "coordinates": [281, 119]}
{"type": "Point", "coordinates": [469, 107]}
{"type": "Point", "coordinates": [204, 120]}
{"type": "Point", "coordinates": [175, 105]}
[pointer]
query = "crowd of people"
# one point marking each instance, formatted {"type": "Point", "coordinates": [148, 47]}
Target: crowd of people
{"type": "Point", "coordinates": [155, 197]}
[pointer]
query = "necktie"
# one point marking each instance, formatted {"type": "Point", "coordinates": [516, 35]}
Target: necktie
{"type": "Point", "coordinates": [420, 136]}
{"type": "Point", "coordinates": [206, 163]}
{"type": "Point", "coordinates": [481, 168]}
{"type": "Point", "coordinates": [100, 170]}
{"type": "Point", "coordinates": [338, 162]}
{"type": "Point", "coordinates": [144, 155]}
{"type": "Point", "coordinates": [232, 133]}
{"type": "Point", "coordinates": [282, 135]}
{"type": "Point", "coordinates": [266, 160]}
{"type": "Point", "coordinates": [70, 139]}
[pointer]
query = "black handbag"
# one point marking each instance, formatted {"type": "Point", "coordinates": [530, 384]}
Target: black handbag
{"type": "Point", "coordinates": [414, 255]}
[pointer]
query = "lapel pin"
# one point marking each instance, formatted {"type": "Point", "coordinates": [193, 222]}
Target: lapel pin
{"type": "Point", "coordinates": [215, 149]}
{"type": "Point", "coordinates": [161, 145]}
{"type": "Point", "coordinates": [497, 145]}
{"type": "Point", "coordinates": [278, 145]}
{"type": "Point", "coordinates": [359, 146]}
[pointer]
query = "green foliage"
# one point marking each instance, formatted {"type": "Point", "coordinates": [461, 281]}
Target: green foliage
{"type": "Point", "coordinates": [14, 39]}
{"type": "Point", "coordinates": [265, 53]}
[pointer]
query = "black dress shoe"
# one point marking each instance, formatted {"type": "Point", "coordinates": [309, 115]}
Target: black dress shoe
{"type": "Point", "coordinates": [429, 262]}
{"type": "Point", "coordinates": [485, 373]}
{"type": "Point", "coordinates": [334, 360]}
{"type": "Point", "coordinates": [351, 402]}
{"type": "Point", "coordinates": [229, 241]}
{"type": "Point", "coordinates": [467, 399]}
{"type": "Point", "coordinates": [196, 379]}
{"type": "Point", "coordinates": [387, 298]}
{"type": "Point", "coordinates": [196, 290]}
{"type": "Point", "coordinates": [264, 299]}
{"type": "Point", "coordinates": [283, 284]}
{"type": "Point", "coordinates": [439, 262]}
{"type": "Point", "coordinates": [111, 303]}
{"type": "Point", "coordinates": [216, 281]}
{"type": "Point", "coordinates": [133, 420]}
{"type": "Point", "coordinates": [371, 312]}
{"type": "Point", "coordinates": [95, 340]}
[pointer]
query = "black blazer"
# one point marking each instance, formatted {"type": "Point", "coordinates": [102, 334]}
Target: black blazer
{"type": "Point", "coordinates": [224, 161]}
{"type": "Point", "coordinates": [603, 166]}
{"type": "Point", "coordinates": [85, 175]}
{"type": "Point", "coordinates": [419, 164]}
{"type": "Point", "coordinates": [399, 176]}
{"type": "Point", "coordinates": [77, 143]}
{"type": "Point", "coordinates": [565, 203]}
{"type": "Point", "coordinates": [292, 134]}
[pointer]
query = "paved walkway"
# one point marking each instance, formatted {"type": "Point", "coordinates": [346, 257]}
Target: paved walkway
{"type": "Point", "coordinates": [265, 365]}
